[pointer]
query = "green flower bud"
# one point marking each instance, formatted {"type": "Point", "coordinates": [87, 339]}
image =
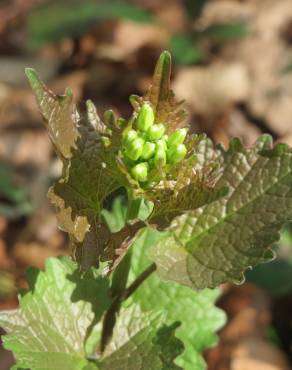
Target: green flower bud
{"type": "Point", "coordinates": [134, 149]}
{"type": "Point", "coordinates": [142, 135]}
{"type": "Point", "coordinates": [148, 150]}
{"type": "Point", "coordinates": [145, 117]}
{"type": "Point", "coordinates": [161, 144]}
{"type": "Point", "coordinates": [159, 157]}
{"type": "Point", "coordinates": [156, 132]}
{"type": "Point", "coordinates": [129, 136]}
{"type": "Point", "coordinates": [140, 171]}
{"type": "Point", "coordinates": [177, 137]}
{"type": "Point", "coordinates": [176, 153]}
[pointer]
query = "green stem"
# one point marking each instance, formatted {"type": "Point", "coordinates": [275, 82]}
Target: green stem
{"type": "Point", "coordinates": [120, 276]}
{"type": "Point", "coordinates": [110, 316]}
{"type": "Point", "coordinates": [136, 283]}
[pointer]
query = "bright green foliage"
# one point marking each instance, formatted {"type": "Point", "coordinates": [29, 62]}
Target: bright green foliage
{"type": "Point", "coordinates": [49, 329]}
{"type": "Point", "coordinates": [116, 218]}
{"type": "Point", "coordinates": [199, 317]}
{"type": "Point", "coordinates": [141, 341]}
{"type": "Point", "coordinates": [217, 242]}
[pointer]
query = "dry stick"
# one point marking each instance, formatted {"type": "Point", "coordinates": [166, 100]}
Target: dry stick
{"type": "Point", "coordinates": [110, 316]}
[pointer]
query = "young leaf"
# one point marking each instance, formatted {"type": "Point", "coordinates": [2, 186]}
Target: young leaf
{"type": "Point", "coordinates": [199, 317]}
{"type": "Point", "coordinates": [141, 341]}
{"type": "Point", "coordinates": [116, 218]}
{"type": "Point", "coordinates": [217, 242]}
{"type": "Point", "coordinates": [194, 186]}
{"type": "Point", "coordinates": [90, 170]}
{"type": "Point", "coordinates": [49, 329]}
{"type": "Point", "coordinates": [58, 112]}
{"type": "Point", "coordinates": [161, 97]}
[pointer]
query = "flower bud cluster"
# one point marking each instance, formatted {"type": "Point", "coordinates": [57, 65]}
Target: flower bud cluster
{"type": "Point", "coordinates": [145, 146]}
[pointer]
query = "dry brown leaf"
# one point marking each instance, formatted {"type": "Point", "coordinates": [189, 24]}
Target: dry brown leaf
{"type": "Point", "coordinates": [211, 90]}
{"type": "Point", "coordinates": [33, 254]}
{"type": "Point", "coordinates": [257, 354]}
{"type": "Point", "coordinates": [264, 53]}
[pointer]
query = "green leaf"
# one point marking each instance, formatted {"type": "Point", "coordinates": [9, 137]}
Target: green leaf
{"type": "Point", "coordinates": [141, 341]}
{"type": "Point", "coordinates": [186, 50]}
{"type": "Point", "coordinates": [167, 110]}
{"type": "Point", "coordinates": [199, 317]}
{"type": "Point", "coordinates": [13, 199]}
{"type": "Point", "coordinates": [54, 20]}
{"type": "Point", "coordinates": [116, 218]}
{"type": "Point", "coordinates": [49, 329]}
{"type": "Point", "coordinates": [121, 211]}
{"type": "Point", "coordinates": [217, 242]}
{"type": "Point", "coordinates": [139, 209]}
{"type": "Point", "coordinates": [226, 32]}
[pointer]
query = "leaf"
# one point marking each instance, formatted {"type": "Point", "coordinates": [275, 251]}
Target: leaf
{"type": "Point", "coordinates": [58, 112]}
{"type": "Point", "coordinates": [116, 218]}
{"type": "Point", "coordinates": [141, 341]}
{"type": "Point", "coordinates": [217, 242]}
{"type": "Point", "coordinates": [122, 211]}
{"type": "Point", "coordinates": [226, 32]}
{"type": "Point", "coordinates": [186, 49]}
{"type": "Point", "coordinates": [90, 172]}
{"type": "Point", "coordinates": [49, 329]}
{"type": "Point", "coordinates": [13, 199]}
{"type": "Point", "coordinates": [200, 319]}
{"type": "Point", "coordinates": [167, 110]}
{"type": "Point", "coordinates": [54, 21]}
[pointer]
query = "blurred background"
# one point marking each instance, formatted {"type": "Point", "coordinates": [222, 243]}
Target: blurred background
{"type": "Point", "coordinates": [233, 67]}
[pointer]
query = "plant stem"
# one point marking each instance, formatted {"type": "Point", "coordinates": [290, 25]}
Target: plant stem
{"type": "Point", "coordinates": [110, 316]}
{"type": "Point", "coordinates": [120, 275]}
{"type": "Point", "coordinates": [140, 279]}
